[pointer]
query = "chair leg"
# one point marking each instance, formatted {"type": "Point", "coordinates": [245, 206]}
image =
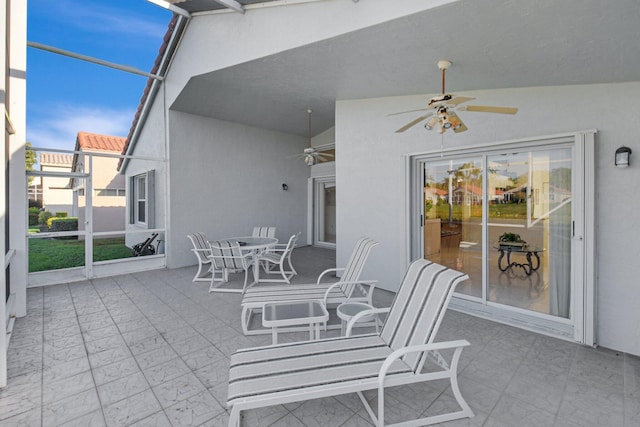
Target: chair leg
{"type": "Point", "coordinates": [245, 318]}
{"type": "Point", "coordinates": [246, 275]}
{"type": "Point", "coordinates": [293, 270]}
{"type": "Point", "coordinates": [282, 271]}
{"type": "Point", "coordinates": [197, 276]}
{"type": "Point", "coordinates": [234, 417]}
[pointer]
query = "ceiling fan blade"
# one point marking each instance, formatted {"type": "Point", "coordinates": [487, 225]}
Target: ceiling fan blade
{"type": "Point", "coordinates": [489, 109]}
{"type": "Point", "coordinates": [408, 111]}
{"type": "Point", "coordinates": [459, 100]}
{"type": "Point", "coordinates": [413, 123]}
{"type": "Point", "coordinates": [320, 157]}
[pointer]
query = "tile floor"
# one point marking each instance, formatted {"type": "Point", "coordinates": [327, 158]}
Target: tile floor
{"type": "Point", "coordinates": [152, 349]}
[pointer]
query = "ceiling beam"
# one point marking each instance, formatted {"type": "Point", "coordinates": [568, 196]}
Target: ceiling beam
{"type": "Point", "coordinates": [231, 4]}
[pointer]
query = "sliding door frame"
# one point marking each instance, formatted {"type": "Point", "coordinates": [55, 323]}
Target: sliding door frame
{"type": "Point", "coordinates": [580, 327]}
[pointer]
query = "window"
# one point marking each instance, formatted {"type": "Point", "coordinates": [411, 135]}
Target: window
{"type": "Point", "coordinates": [141, 203]}
{"type": "Point", "coordinates": [140, 191]}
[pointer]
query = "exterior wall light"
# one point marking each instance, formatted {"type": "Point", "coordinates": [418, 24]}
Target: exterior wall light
{"type": "Point", "coordinates": [285, 187]}
{"type": "Point", "coordinates": [623, 157]}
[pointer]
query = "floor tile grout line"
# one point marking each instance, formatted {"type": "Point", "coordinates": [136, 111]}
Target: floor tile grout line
{"type": "Point", "coordinates": [133, 276]}
{"type": "Point", "coordinates": [84, 343]}
{"type": "Point", "coordinates": [186, 321]}
{"type": "Point", "coordinates": [180, 357]}
{"type": "Point", "coordinates": [564, 388]}
{"type": "Point", "coordinates": [162, 409]}
{"type": "Point", "coordinates": [288, 412]}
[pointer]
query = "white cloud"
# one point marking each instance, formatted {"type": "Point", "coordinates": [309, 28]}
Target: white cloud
{"type": "Point", "coordinates": [98, 18]}
{"type": "Point", "coordinates": [58, 127]}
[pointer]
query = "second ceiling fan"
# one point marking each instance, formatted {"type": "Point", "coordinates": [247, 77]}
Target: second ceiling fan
{"type": "Point", "coordinates": [440, 109]}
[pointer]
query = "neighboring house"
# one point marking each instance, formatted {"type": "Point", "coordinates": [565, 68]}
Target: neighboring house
{"type": "Point", "coordinates": [228, 119]}
{"type": "Point", "coordinates": [435, 194]}
{"type": "Point", "coordinates": [467, 195]}
{"type": "Point", "coordinates": [108, 197]}
{"type": "Point", "coordinates": [57, 197]}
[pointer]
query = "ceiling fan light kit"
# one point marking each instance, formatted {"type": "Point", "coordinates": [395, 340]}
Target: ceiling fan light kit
{"type": "Point", "coordinates": [442, 117]}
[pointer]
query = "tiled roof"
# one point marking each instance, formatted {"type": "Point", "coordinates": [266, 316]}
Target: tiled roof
{"type": "Point", "coordinates": [92, 141]}
{"type": "Point", "coordinates": [55, 159]}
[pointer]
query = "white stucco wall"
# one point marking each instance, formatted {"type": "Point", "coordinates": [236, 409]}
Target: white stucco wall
{"type": "Point", "coordinates": [151, 145]}
{"type": "Point", "coordinates": [370, 155]}
{"type": "Point", "coordinates": [236, 38]}
{"type": "Point", "coordinates": [227, 178]}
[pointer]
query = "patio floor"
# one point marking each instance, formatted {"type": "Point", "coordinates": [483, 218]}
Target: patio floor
{"type": "Point", "coordinates": [152, 349]}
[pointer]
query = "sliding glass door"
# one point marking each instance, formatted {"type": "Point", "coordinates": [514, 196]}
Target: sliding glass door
{"type": "Point", "coordinates": [453, 202]}
{"type": "Point", "coordinates": [325, 212]}
{"type": "Point", "coordinates": [507, 217]}
{"type": "Point", "coordinates": [529, 227]}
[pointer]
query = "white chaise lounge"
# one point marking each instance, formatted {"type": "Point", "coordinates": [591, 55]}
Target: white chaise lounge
{"type": "Point", "coordinates": [280, 374]}
{"type": "Point", "coordinates": [350, 287]}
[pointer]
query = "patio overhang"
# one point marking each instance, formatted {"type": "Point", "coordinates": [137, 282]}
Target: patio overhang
{"type": "Point", "coordinates": [509, 44]}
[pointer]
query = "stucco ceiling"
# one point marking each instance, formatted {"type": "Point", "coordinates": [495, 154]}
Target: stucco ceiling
{"type": "Point", "coordinates": [492, 44]}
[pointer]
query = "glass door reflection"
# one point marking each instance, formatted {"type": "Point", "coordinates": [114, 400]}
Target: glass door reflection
{"type": "Point", "coordinates": [453, 198]}
{"type": "Point", "coordinates": [529, 228]}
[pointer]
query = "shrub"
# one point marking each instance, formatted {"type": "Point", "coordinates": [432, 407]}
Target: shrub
{"type": "Point", "coordinates": [43, 218]}
{"type": "Point", "coordinates": [63, 224]}
{"type": "Point", "coordinates": [33, 216]}
{"type": "Point", "coordinates": [34, 230]}
{"type": "Point", "coordinates": [35, 204]}
{"type": "Point", "coordinates": [61, 214]}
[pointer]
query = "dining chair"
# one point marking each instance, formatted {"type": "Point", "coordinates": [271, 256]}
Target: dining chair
{"type": "Point", "coordinates": [276, 257]}
{"type": "Point", "coordinates": [227, 256]}
{"type": "Point", "coordinates": [202, 251]}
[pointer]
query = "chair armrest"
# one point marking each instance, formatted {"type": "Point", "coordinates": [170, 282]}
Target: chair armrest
{"type": "Point", "coordinates": [328, 270]}
{"type": "Point", "coordinates": [359, 282]}
{"type": "Point", "coordinates": [202, 254]}
{"type": "Point", "coordinates": [458, 345]}
{"type": "Point", "coordinates": [362, 314]}
{"type": "Point", "coordinates": [450, 372]}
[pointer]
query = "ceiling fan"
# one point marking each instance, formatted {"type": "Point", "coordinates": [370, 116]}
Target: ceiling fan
{"type": "Point", "coordinates": [441, 115]}
{"type": "Point", "coordinates": [311, 155]}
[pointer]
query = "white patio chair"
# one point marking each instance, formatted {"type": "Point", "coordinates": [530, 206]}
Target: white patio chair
{"type": "Point", "coordinates": [227, 257]}
{"type": "Point", "coordinates": [404, 352]}
{"type": "Point", "coordinates": [276, 257]}
{"type": "Point", "coordinates": [264, 232]}
{"type": "Point", "coordinates": [349, 287]}
{"type": "Point", "coordinates": [202, 250]}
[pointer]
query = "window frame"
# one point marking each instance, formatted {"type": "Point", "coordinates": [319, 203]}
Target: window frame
{"type": "Point", "coordinates": [148, 199]}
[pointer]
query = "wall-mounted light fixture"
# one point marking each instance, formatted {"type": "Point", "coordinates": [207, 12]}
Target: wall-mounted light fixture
{"type": "Point", "coordinates": [623, 157]}
{"type": "Point", "coordinates": [285, 187]}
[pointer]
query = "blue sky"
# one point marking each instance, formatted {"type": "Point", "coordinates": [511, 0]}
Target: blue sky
{"type": "Point", "coordinates": [67, 95]}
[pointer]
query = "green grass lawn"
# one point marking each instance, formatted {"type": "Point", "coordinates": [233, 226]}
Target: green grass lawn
{"type": "Point", "coordinates": [53, 254]}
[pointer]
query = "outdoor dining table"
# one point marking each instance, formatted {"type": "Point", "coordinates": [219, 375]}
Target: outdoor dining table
{"type": "Point", "coordinates": [256, 245]}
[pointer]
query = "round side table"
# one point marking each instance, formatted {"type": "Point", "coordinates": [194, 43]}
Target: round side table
{"type": "Point", "coordinates": [347, 310]}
